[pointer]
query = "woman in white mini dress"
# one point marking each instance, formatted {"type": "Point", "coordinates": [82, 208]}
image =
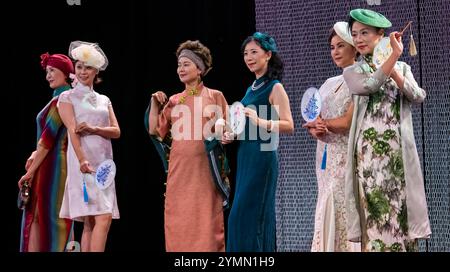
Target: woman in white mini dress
{"type": "Point", "coordinates": [91, 123]}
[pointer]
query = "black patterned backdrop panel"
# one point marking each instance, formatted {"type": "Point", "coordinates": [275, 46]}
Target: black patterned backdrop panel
{"type": "Point", "coordinates": [301, 29]}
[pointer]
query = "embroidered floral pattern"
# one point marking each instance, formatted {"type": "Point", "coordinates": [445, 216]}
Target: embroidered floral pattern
{"type": "Point", "coordinates": [379, 170]}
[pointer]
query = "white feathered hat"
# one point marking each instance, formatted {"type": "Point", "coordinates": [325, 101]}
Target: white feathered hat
{"type": "Point", "coordinates": [89, 53]}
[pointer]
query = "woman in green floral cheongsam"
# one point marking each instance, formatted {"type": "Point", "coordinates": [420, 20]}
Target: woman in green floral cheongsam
{"type": "Point", "coordinates": [385, 195]}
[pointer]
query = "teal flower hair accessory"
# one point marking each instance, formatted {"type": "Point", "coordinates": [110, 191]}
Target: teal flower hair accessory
{"type": "Point", "coordinates": [267, 42]}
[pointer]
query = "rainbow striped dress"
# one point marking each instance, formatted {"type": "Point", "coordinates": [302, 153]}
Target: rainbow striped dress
{"type": "Point", "coordinates": [49, 183]}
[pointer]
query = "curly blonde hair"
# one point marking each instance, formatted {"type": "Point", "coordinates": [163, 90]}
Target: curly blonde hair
{"type": "Point", "coordinates": [200, 50]}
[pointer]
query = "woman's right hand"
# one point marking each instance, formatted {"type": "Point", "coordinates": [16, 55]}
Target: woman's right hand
{"type": "Point", "coordinates": [159, 97]}
{"type": "Point", "coordinates": [30, 160]}
{"type": "Point", "coordinates": [85, 167]}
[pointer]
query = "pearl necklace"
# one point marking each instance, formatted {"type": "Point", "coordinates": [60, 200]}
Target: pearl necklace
{"type": "Point", "coordinates": [254, 88]}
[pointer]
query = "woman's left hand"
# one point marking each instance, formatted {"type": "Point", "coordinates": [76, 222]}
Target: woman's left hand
{"type": "Point", "coordinates": [321, 125]}
{"type": "Point", "coordinates": [85, 129]}
{"type": "Point", "coordinates": [309, 125]}
{"type": "Point", "coordinates": [252, 115]}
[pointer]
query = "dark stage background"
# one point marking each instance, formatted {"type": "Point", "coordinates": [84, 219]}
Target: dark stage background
{"type": "Point", "coordinates": [139, 39]}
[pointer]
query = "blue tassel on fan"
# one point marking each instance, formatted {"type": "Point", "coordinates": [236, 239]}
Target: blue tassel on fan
{"type": "Point", "coordinates": [324, 159]}
{"type": "Point", "coordinates": [85, 194]}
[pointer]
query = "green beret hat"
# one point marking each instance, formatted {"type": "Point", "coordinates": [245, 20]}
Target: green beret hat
{"type": "Point", "coordinates": [370, 17]}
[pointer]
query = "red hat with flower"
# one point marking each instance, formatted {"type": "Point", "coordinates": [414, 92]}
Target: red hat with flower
{"type": "Point", "coordinates": [60, 61]}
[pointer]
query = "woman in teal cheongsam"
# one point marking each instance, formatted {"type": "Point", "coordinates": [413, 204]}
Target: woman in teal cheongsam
{"type": "Point", "coordinates": [251, 224]}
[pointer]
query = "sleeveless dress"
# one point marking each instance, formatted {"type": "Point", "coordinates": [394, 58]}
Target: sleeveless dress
{"type": "Point", "coordinates": [251, 223]}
